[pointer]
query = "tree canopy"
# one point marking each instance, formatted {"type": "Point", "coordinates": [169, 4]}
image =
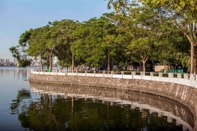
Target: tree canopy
{"type": "Point", "coordinates": [181, 13]}
{"type": "Point", "coordinates": [137, 34]}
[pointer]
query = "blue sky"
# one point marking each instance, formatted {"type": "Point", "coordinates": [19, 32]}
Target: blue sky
{"type": "Point", "coordinates": [16, 16]}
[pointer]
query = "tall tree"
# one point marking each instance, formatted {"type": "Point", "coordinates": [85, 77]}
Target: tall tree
{"type": "Point", "coordinates": [37, 44]}
{"type": "Point", "coordinates": [20, 51]}
{"type": "Point", "coordinates": [183, 13]}
{"type": "Point", "coordinates": [89, 48]}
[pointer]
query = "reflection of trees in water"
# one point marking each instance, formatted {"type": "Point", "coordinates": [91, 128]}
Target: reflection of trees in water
{"type": "Point", "coordinates": [44, 115]}
{"type": "Point", "coordinates": [20, 104]}
{"type": "Point", "coordinates": [17, 73]}
{"type": "Point", "coordinates": [22, 73]}
{"type": "Point", "coordinates": [161, 103]}
{"type": "Point", "coordinates": [4, 72]}
{"type": "Point", "coordinates": [39, 115]}
{"type": "Point", "coordinates": [57, 113]}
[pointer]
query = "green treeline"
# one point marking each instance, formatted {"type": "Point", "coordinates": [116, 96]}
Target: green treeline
{"type": "Point", "coordinates": [134, 35]}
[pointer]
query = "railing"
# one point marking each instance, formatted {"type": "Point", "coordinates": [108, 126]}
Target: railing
{"type": "Point", "coordinates": [183, 79]}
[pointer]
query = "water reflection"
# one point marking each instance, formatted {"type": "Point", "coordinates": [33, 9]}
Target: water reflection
{"type": "Point", "coordinates": [51, 107]}
{"type": "Point", "coordinates": [17, 73]}
{"type": "Point", "coordinates": [12, 79]}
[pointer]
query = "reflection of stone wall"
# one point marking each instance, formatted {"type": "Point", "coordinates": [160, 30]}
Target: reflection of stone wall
{"type": "Point", "coordinates": [162, 103]}
{"type": "Point", "coordinates": [181, 93]}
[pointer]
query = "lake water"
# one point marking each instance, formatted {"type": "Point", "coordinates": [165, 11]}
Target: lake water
{"type": "Point", "coordinates": [42, 107]}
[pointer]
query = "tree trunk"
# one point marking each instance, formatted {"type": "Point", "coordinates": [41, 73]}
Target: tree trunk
{"type": "Point", "coordinates": [193, 59]}
{"type": "Point", "coordinates": [144, 66]}
{"type": "Point", "coordinates": [48, 62]}
{"type": "Point", "coordinates": [51, 61]}
{"type": "Point", "coordinates": [192, 53]}
{"type": "Point", "coordinates": [73, 62]}
{"type": "Point", "coordinates": [126, 64]}
{"type": "Point", "coordinates": [41, 67]}
{"type": "Point", "coordinates": [108, 60]}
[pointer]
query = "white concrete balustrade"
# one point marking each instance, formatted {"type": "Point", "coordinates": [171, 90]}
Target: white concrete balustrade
{"type": "Point", "coordinates": [183, 79]}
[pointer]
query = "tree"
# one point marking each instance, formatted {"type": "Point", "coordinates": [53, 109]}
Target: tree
{"type": "Point", "coordinates": [182, 13]}
{"type": "Point", "coordinates": [121, 54]}
{"type": "Point", "coordinates": [65, 51]}
{"type": "Point", "coordinates": [173, 47]}
{"type": "Point", "coordinates": [72, 38]}
{"type": "Point", "coordinates": [88, 47]}
{"type": "Point", "coordinates": [37, 43]}
{"type": "Point", "coordinates": [98, 45]}
{"type": "Point", "coordinates": [109, 40]}
{"type": "Point", "coordinates": [52, 37]}
{"type": "Point", "coordinates": [140, 24]}
{"type": "Point", "coordinates": [20, 51]}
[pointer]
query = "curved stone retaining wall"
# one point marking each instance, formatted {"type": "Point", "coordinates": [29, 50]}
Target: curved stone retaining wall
{"type": "Point", "coordinates": [184, 94]}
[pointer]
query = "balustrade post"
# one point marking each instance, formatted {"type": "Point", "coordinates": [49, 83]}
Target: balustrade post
{"type": "Point", "coordinates": [122, 73]}
{"type": "Point", "coordinates": [169, 119]}
{"type": "Point", "coordinates": [169, 76]}
{"type": "Point", "coordinates": [192, 78]}
{"type": "Point", "coordinates": [151, 75]}
{"type": "Point", "coordinates": [112, 72]}
{"type": "Point", "coordinates": [141, 74]}
{"type": "Point", "coordinates": [195, 77]}
{"type": "Point", "coordinates": [133, 73]}
{"type": "Point", "coordinates": [76, 72]}
{"type": "Point", "coordinates": [160, 75]}
{"type": "Point", "coordinates": [85, 72]}
{"type": "Point", "coordinates": [186, 76]}
{"type": "Point", "coordinates": [94, 73]}
{"type": "Point", "coordinates": [196, 81]}
{"type": "Point", "coordinates": [179, 77]}
{"type": "Point", "coordinates": [103, 73]}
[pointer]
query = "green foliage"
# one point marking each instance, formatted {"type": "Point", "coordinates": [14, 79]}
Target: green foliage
{"type": "Point", "coordinates": [24, 38]}
{"type": "Point", "coordinates": [168, 20]}
{"type": "Point", "coordinates": [15, 52]}
{"type": "Point", "coordinates": [23, 63]}
{"type": "Point", "coordinates": [20, 51]}
{"type": "Point", "coordinates": [136, 34]}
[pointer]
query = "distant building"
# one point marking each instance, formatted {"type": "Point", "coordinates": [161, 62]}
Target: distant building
{"type": "Point", "coordinates": [7, 60]}
{"type": "Point", "coordinates": [1, 60]}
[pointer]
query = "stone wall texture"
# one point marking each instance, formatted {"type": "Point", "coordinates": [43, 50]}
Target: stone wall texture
{"type": "Point", "coordinates": [181, 93]}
